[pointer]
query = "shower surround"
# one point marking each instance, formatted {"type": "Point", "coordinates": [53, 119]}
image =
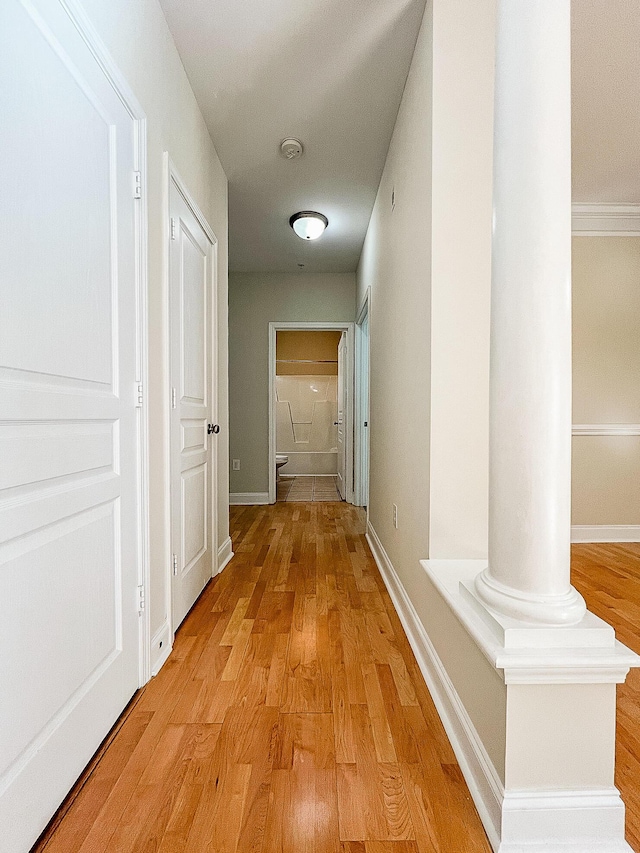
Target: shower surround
{"type": "Point", "coordinates": [306, 409]}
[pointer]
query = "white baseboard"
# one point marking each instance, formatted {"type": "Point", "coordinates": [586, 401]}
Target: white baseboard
{"type": "Point", "coordinates": [563, 822]}
{"type": "Point", "coordinates": [515, 822]}
{"type": "Point", "coordinates": [225, 554]}
{"type": "Point", "coordinates": [584, 533]}
{"type": "Point", "coordinates": [248, 498]}
{"type": "Point", "coordinates": [160, 647]}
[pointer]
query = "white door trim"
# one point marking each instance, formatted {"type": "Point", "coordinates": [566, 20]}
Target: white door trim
{"type": "Point", "coordinates": [361, 404]}
{"type": "Point", "coordinates": [172, 176]}
{"type": "Point", "coordinates": [90, 35]}
{"type": "Point", "coordinates": [142, 371]}
{"type": "Point", "coordinates": [349, 383]}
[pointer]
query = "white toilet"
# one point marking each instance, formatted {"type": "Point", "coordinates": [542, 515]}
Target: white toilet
{"type": "Point", "coordinates": [281, 460]}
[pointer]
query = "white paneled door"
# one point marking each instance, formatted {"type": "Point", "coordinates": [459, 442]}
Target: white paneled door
{"type": "Point", "coordinates": [342, 390]}
{"type": "Point", "coordinates": [191, 279]}
{"type": "Point", "coordinates": [69, 507]}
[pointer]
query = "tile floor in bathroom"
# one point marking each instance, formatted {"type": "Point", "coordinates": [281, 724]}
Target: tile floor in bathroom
{"type": "Point", "coordinates": [322, 488]}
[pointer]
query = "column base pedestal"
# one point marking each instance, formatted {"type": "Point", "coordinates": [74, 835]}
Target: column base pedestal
{"type": "Point", "coordinates": [566, 609]}
{"type": "Point", "coordinates": [556, 790]}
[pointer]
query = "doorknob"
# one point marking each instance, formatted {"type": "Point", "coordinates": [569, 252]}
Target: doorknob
{"type": "Point", "coordinates": [213, 428]}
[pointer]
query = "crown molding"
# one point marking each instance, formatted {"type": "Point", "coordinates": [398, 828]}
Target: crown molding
{"type": "Point", "coordinates": [622, 220]}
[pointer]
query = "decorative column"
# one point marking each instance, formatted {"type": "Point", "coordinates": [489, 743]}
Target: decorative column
{"type": "Point", "coordinates": [530, 385]}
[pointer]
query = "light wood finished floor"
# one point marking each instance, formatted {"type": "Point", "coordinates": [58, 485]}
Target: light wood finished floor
{"type": "Point", "coordinates": [609, 578]}
{"type": "Point", "coordinates": [290, 718]}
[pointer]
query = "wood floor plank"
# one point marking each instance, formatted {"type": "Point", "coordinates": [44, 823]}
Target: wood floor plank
{"type": "Point", "coordinates": [371, 800]}
{"type": "Point", "coordinates": [385, 749]}
{"type": "Point", "coordinates": [302, 807]}
{"type": "Point", "coordinates": [235, 623]}
{"type": "Point", "coordinates": [277, 669]}
{"type": "Point", "coordinates": [238, 651]}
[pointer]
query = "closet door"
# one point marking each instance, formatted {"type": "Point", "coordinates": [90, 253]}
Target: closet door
{"type": "Point", "coordinates": [68, 422]}
{"type": "Point", "coordinates": [342, 446]}
{"type": "Point", "coordinates": [191, 297]}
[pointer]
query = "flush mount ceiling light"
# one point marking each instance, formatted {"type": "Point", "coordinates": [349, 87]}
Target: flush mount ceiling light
{"type": "Point", "coordinates": [308, 224]}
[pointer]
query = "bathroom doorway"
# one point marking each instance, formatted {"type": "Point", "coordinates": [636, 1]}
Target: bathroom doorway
{"type": "Point", "coordinates": [310, 411]}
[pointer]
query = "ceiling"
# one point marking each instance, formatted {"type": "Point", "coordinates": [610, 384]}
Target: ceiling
{"type": "Point", "coordinates": [331, 73]}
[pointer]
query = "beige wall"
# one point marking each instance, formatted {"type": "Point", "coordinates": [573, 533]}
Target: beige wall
{"type": "Point", "coordinates": [606, 480]}
{"type": "Point", "coordinates": [427, 263]}
{"type": "Point", "coordinates": [255, 300]}
{"type": "Point", "coordinates": [137, 37]}
{"type": "Point", "coordinates": [396, 265]}
{"type": "Point", "coordinates": [606, 379]}
{"type": "Point", "coordinates": [463, 51]}
{"type": "Point", "coordinates": [577, 719]}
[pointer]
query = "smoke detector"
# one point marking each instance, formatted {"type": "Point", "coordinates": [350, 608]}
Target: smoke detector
{"type": "Point", "coordinates": [291, 148]}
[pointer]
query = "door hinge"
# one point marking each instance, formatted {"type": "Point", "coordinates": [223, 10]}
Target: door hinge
{"type": "Point", "coordinates": [175, 564]}
{"type": "Point", "coordinates": [173, 398]}
{"type": "Point", "coordinates": [141, 599]}
{"type": "Point", "coordinates": [137, 184]}
{"type": "Point", "coordinates": [139, 395]}
{"type": "Point", "coordinates": [174, 228]}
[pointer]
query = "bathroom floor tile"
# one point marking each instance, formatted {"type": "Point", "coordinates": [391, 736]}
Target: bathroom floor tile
{"type": "Point", "coordinates": [304, 489]}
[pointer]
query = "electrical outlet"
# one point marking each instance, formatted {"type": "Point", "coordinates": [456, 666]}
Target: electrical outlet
{"type": "Point", "coordinates": [236, 464]}
{"type": "Point", "coordinates": [395, 516]}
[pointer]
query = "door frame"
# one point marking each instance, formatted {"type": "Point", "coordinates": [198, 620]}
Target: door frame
{"type": "Point", "coordinates": [362, 396]}
{"type": "Point", "coordinates": [349, 384]}
{"type": "Point", "coordinates": [165, 634]}
{"type": "Point", "coordinates": [142, 372]}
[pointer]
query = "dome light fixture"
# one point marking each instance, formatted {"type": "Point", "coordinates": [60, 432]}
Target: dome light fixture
{"type": "Point", "coordinates": [308, 224]}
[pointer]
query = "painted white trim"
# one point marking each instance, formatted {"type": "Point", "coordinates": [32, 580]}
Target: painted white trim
{"type": "Point", "coordinates": [605, 429]}
{"type": "Point", "coordinates": [563, 822]}
{"type": "Point", "coordinates": [142, 287]}
{"type": "Point", "coordinates": [605, 220]}
{"type": "Point", "coordinates": [365, 306]}
{"type": "Point", "coordinates": [586, 653]}
{"type": "Point", "coordinates": [249, 498]}
{"type": "Point", "coordinates": [161, 645]}
{"type": "Point", "coordinates": [299, 476]}
{"type": "Point", "coordinates": [225, 554]}
{"type": "Point", "coordinates": [361, 405]}
{"type": "Point", "coordinates": [584, 533]}
{"type": "Point", "coordinates": [515, 821]}
{"type": "Point", "coordinates": [480, 775]}
{"type": "Point", "coordinates": [171, 175]}
{"type": "Point", "coordinates": [347, 327]}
